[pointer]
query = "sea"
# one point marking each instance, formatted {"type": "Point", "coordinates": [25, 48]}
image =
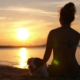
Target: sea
{"type": "Point", "coordinates": [17, 57]}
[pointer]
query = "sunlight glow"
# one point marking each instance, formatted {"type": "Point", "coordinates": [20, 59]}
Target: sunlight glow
{"type": "Point", "coordinates": [22, 34]}
{"type": "Point", "coordinates": [23, 54]}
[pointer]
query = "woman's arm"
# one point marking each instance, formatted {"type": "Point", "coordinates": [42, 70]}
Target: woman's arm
{"type": "Point", "coordinates": [48, 48]}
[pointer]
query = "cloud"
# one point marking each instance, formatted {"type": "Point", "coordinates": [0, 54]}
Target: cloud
{"type": "Point", "coordinates": [32, 24]}
{"type": "Point", "coordinates": [31, 11]}
{"type": "Point", "coordinates": [60, 3]}
{"type": "Point", "coordinates": [6, 18]}
{"type": "Point", "coordinates": [77, 16]}
{"type": "Point", "coordinates": [2, 18]}
{"type": "Point", "coordinates": [10, 18]}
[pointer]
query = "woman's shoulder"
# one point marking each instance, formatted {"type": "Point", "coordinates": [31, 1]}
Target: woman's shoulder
{"type": "Point", "coordinates": [54, 30]}
{"type": "Point", "coordinates": [60, 29]}
{"type": "Point", "coordinates": [75, 31]}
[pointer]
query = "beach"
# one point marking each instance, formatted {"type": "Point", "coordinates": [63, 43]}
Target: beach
{"type": "Point", "coordinates": [15, 67]}
{"type": "Point", "coordinates": [13, 73]}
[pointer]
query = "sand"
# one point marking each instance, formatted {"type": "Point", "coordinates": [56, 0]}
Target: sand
{"type": "Point", "coordinates": [13, 73]}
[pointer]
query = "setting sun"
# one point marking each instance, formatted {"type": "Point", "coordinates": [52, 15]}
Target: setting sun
{"type": "Point", "coordinates": [22, 34]}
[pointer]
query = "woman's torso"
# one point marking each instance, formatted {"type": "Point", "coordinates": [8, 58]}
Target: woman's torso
{"type": "Point", "coordinates": [64, 43]}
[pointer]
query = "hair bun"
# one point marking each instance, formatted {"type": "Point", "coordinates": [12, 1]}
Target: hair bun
{"type": "Point", "coordinates": [70, 7]}
{"type": "Point", "coordinates": [67, 13]}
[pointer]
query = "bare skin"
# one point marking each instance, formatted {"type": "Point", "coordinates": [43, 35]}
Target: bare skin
{"type": "Point", "coordinates": [63, 41]}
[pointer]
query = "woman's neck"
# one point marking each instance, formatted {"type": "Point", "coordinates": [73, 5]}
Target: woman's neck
{"type": "Point", "coordinates": [66, 25]}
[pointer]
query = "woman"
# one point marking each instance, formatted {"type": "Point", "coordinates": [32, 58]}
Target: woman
{"type": "Point", "coordinates": [63, 41]}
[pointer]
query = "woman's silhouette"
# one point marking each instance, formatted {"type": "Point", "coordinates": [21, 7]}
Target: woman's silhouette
{"type": "Point", "coordinates": [63, 41]}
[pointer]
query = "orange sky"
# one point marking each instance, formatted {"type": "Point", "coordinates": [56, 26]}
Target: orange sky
{"type": "Point", "coordinates": [36, 17]}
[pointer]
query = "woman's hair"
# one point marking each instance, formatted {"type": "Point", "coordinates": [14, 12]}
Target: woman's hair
{"type": "Point", "coordinates": [67, 13]}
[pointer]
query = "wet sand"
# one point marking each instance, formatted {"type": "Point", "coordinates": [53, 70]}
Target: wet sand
{"type": "Point", "coordinates": [12, 73]}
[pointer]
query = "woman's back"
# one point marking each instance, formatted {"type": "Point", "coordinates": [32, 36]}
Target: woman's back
{"type": "Point", "coordinates": [64, 44]}
{"type": "Point", "coordinates": [63, 41]}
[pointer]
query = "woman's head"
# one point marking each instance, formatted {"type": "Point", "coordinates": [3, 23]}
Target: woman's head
{"type": "Point", "coordinates": [67, 13]}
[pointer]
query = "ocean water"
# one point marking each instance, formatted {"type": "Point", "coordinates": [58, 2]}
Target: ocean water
{"type": "Point", "coordinates": [18, 57]}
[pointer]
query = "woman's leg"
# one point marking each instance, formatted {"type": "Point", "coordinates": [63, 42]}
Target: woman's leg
{"type": "Point", "coordinates": [52, 72]}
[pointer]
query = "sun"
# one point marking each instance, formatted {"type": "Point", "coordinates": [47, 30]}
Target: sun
{"type": "Point", "coordinates": [22, 34]}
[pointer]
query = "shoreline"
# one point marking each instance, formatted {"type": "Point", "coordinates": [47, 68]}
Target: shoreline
{"type": "Point", "coordinates": [36, 46]}
{"type": "Point", "coordinates": [14, 73]}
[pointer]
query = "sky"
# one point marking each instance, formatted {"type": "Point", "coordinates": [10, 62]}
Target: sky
{"type": "Point", "coordinates": [34, 18]}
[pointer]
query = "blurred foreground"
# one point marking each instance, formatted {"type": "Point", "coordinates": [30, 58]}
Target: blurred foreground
{"type": "Point", "coordinates": [12, 73]}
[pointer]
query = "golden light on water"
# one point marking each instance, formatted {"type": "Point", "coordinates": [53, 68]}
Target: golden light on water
{"type": "Point", "coordinates": [22, 34]}
{"type": "Point", "coordinates": [23, 54]}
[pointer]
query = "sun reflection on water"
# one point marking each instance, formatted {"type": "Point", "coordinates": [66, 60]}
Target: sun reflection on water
{"type": "Point", "coordinates": [23, 54]}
